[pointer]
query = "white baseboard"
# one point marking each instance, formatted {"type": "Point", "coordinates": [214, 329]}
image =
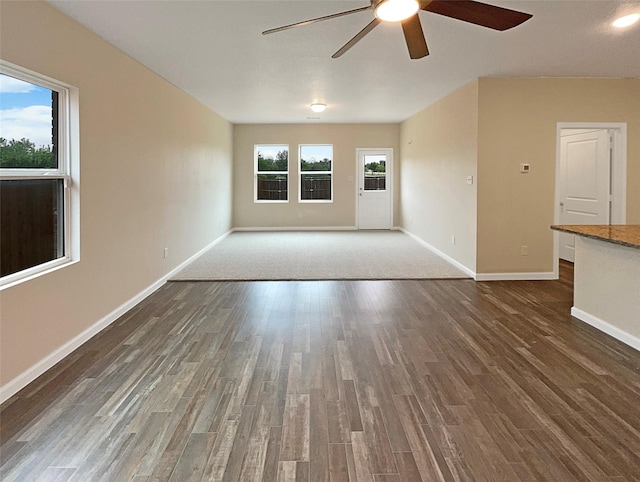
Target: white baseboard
{"type": "Point", "coordinates": [608, 328]}
{"type": "Point", "coordinates": [439, 253]}
{"type": "Point", "coordinates": [550, 275]}
{"type": "Point", "coordinates": [296, 228]}
{"type": "Point", "coordinates": [29, 375]}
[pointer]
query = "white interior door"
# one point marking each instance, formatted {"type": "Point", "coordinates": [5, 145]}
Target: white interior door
{"type": "Point", "coordinates": [584, 182]}
{"type": "Point", "coordinates": [375, 188]}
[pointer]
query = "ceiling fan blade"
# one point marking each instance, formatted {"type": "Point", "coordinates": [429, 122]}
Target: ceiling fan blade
{"type": "Point", "coordinates": [414, 36]}
{"type": "Point", "coordinates": [478, 13]}
{"type": "Point", "coordinates": [357, 38]}
{"type": "Point", "coordinates": [314, 20]}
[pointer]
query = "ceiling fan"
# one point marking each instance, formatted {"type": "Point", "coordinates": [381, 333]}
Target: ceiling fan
{"type": "Point", "coordinates": [406, 12]}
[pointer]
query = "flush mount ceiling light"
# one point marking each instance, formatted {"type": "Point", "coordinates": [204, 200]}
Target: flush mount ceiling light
{"type": "Point", "coordinates": [396, 10]}
{"type": "Point", "coordinates": [318, 107]}
{"type": "Point", "coordinates": [626, 21]}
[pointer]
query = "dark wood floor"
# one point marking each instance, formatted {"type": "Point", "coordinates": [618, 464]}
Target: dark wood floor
{"type": "Point", "coordinates": [336, 380]}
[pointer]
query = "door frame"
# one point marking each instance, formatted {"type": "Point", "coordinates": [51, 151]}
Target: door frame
{"type": "Point", "coordinates": [618, 176]}
{"type": "Point", "coordinates": [388, 181]}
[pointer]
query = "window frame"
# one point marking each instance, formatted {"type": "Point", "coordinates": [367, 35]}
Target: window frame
{"type": "Point", "coordinates": [256, 173]}
{"type": "Point", "coordinates": [301, 173]}
{"type": "Point", "coordinates": [67, 170]}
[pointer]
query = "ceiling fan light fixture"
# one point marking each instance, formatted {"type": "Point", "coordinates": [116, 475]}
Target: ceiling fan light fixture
{"type": "Point", "coordinates": [626, 21]}
{"type": "Point", "coordinates": [317, 107]}
{"type": "Point", "coordinates": [396, 10]}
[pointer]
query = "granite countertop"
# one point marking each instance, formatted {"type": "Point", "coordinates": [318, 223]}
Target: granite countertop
{"type": "Point", "coordinates": [623, 234]}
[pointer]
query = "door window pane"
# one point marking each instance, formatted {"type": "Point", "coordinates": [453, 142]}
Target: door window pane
{"type": "Point", "coordinates": [375, 172]}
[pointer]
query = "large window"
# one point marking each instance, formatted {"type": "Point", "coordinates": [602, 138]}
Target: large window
{"type": "Point", "coordinates": [271, 173]}
{"type": "Point", "coordinates": [316, 173]}
{"type": "Point", "coordinates": [38, 180]}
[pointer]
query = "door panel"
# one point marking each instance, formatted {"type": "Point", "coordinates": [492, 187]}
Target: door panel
{"type": "Point", "coordinates": [585, 171]}
{"type": "Point", "coordinates": [374, 188]}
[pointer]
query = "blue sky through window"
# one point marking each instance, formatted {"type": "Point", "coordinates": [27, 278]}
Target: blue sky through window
{"type": "Point", "coordinates": [308, 152]}
{"type": "Point", "coordinates": [270, 151]}
{"type": "Point", "coordinates": [25, 111]}
{"type": "Point", "coordinates": [316, 152]}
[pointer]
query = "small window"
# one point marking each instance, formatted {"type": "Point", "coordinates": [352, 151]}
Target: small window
{"type": "Point", "coordinates": [375, 172]}
{"type": "Point", "coordinates": [38, 193]}
{"type": "Point", "coordinates": [271, 173]}
{"type": "Point", "coordinates": [316, 173]}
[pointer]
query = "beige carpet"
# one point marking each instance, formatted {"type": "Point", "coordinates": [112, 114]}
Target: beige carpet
{"type": "Point", "coordinates": [317, 255]}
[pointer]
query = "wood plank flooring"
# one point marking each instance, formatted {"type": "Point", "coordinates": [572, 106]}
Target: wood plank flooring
{"type": "Point", "coordinates": [379, 381]}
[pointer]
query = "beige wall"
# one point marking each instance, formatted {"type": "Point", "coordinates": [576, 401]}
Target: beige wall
{"type": "Point", "coordinates": [155, 165]}
{"type": "Point", "coordinates": [489, 127]}
{"type": "Point", "coordinates": [517, 124]}
{"type": "Point", "coordinates": [345, 139]}
{"type": "Point", "coordinates": [439, 151]}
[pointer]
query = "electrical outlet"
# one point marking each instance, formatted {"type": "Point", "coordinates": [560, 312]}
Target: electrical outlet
{"type": "Point", "coordinates": [524, 250]}
{"type": "Point", "coordinates": [166, 253]}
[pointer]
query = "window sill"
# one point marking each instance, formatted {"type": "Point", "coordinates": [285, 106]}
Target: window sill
{"type": "Point", "coordinates": [20, 277]}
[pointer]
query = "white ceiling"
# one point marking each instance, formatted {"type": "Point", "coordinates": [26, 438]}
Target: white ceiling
{"type": "Point", "coordinates": [214, 50]}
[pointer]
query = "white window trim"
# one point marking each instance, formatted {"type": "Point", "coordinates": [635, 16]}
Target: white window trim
{"type": "Point", "coordinates": [68, 169]}
{"type": "Point", "coordinates": [255, 175]}
{"type": "Point", "coordinates": [301, 172]}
